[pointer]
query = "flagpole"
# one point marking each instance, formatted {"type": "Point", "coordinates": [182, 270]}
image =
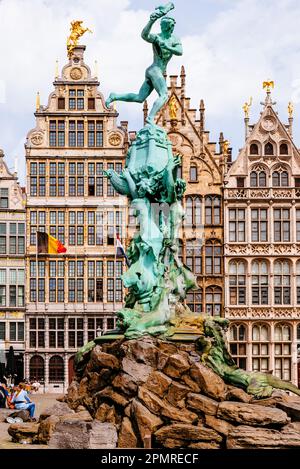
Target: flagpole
{"type": "Point", "coordinates": [36, 271]}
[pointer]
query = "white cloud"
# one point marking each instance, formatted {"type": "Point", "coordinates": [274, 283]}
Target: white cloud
{"type": "Point", "coordinates": [246, 42]}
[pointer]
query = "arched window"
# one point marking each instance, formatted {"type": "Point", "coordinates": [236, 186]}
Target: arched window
{"type": "Point", "coordinates": [280, 178]}
{"type": "Point", "coordinates": [238, 344]}
{"type": "Point", "coordinates": [213, 300]}
{"type": "Point", "coordinates": [253, 179]}
{"type": "Point", "coordinates": [193, 211]}
{"type": "Point", "coordinates": [194, 300]}
{"type": "Point", "coordinates": [37, 368]}
{"type": "Point", "coordinates": [260, 347]}
{"type": "Point", "coordinates": [260, 282]}
{"type": "Point", "coordinates": [282, 283]}
{"type": "Point", "coordinates": [193, 173]}
{"type": "Point", "coordinates": [262, 182]}
{"type": "Point", "coordinates": [194, 256]}
{"type": "Point", "coordinates": [283, 352]}
{"type": "Point", "coordinates": [237, 283]}
{"type": "Point", "coordinates": [284, 149]}
{"type": "Point", "coordinates": [213, 258]}
{"type": "Point", "coordinates": [298, 284]}
{"type": "Point", "coordinates": [56, 369]}
{"type": "Point", "coordinates": [253, 149]}
{"type": "Point", "coordinates": [269, 149]}
{"type": "Point", "coordinates": [212, 210]}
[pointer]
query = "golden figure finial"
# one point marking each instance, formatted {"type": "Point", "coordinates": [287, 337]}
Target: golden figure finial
{"type": "Point", "coordinates": [291, 109]}
{"type": "Point", "coordinates": [77, 31]}
{"type": "Point", "coordinates": [38, 101]}
{"type": "Point", "coordinates": [268, 84]}
{"type": "Point", "coordinates": [246, 107]}
{"type": "Point", "coordinates": [56, 69]}
{"type": "Point", "coordinates": [226, 147]}
{"type": "Point", "coordinates": [173, 108]}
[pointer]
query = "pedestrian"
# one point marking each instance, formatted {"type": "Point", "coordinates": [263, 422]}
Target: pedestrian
{"type": "Point", "coordinates": [3, 395]}
{"type": "Point", "coordinates": [22, 400]}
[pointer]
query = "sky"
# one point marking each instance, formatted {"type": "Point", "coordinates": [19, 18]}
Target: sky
{"type": "Point", "coordinates": [230, 47]}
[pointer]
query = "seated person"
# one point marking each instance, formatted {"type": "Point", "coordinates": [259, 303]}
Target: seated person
{"type": "Point", "coordinates": [22, 401]}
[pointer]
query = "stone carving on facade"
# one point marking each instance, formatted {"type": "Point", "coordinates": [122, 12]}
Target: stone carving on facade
{"type": "Point", "coordinates": [115, 140]}
{"type": "Point", "coordinates": [282, 249]}
{"type": "Point", "coordinates": [261, 313]}
{"type": "Point", "coordinates": [37, 138]}
{"type": "Point", "coordinates": [236, 249]}
{"type": "Point", "coordinates": [260, 249]}
{"type": "Point", "coordinates": [260, 193]}
{"type": "Point", "coordinates": [237, 193]}
{"type": "Point", "coordinates": [282, 193]}
{"type": "Point", "coordinates": [237, 313]}
{"type": "Point", "coordinates": [76, 73]}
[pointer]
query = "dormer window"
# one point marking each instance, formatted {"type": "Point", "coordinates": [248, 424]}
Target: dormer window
{"type": "Point", "coordinates": [253, 149]}
{"type": "Point", "coordinates": [280, 179]}
{"type": "Point", "coordinates": [193, 173]}
{"type": "Point", "coordinates": [258, 179]}
{"type": "Point", "coordinates": [61, 103]}
{"type": "Point", "coordinates": [284, 150]}
{"type": "Point", "coordinates": [3, 198]}
{"type": "Point", "coordinates": [269, 149]}
{"type": "Point", "coordinates": [76, 100]}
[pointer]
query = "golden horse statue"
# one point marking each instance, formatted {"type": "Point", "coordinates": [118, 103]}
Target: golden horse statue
{"type": "Point", "coordinates": [77, 30]}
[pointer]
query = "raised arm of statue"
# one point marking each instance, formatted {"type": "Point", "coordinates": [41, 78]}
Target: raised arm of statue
{"type": "Point", "coordinates": [146, 33]}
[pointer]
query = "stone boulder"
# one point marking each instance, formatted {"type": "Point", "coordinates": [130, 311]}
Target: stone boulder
{"type": "Point", "coordinates": [25, 433]}
{"type": "Point", "coordinates": [146, 422]}
{"type": "Point", "coordinates": [251, 414]}
{"type": "Point", "coordinates": [186, 433]}
{"type": "Point", "coordinates": [246, 437]}
{"type": "Point", "coordinates": [75, 434]}
{"type": "Point", "coordinates": [292, 409]}
{"type": "Point", "coordinates": [209, 382]}
{"type": "Point", "coordinates": [58, 409]}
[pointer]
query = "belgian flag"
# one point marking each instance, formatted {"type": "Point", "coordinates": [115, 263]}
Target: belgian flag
{"type": "Point", "coordinates": [46, 244]}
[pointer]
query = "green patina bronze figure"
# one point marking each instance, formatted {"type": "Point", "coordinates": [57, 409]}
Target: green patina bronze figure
{"type": "Point", "coordinates": [165, 45]}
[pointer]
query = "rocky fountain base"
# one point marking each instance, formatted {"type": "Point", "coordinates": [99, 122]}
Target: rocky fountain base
{"type": "Point", "coordinates": [153, 393]}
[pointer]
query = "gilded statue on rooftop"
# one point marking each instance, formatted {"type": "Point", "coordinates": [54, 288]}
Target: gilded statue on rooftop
{"type": "Point", "coordinates": [77, 30]}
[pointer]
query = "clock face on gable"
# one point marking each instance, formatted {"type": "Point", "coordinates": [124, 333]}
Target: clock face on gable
{"type": "Point", "coordinates": [269, 124]}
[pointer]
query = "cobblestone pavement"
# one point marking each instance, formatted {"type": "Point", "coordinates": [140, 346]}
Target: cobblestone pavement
{"type": "Point", "coordinates": [42, 401]}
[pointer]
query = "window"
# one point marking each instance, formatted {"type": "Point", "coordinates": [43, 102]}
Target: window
{"type": "Point", "coordinates": [193, 211]}
{"type": "Point", "coordinates": [260, 347]}
{"type": "Point", "coordinates": [193, 173]}
{"type": "Point", "coordinates": [253, 149]}
{"type": "Point", "coordinates": [114, 282]}
{"type": "Point", "coordinates": [37, 223]}
{"type": "Point", "coordinates": [56, 281]}
{"type": "Point", "coordinates": [61, 103]}
{"type": "Point", "coordinates": [282, 225]}
{"type": "Point", "coordinates": [56, 332]}
{"type": "Point", "coordinates": [238, 344]}
{"type": "Point", "coordinates": [91, 104]}
{"type": "Point", "coordinates": [213, 258]}
{"type": "Point", "coordinates": [16, 238]}
{"type": "Point", "coordinates": [75, 332]}
{"type": "Point", "coordinates": [269, 149]}
{"type": "Point", "coordinates": [76, 100]}
{"type": "Point", "coordinates": [284, 150]}
{"type": "Point", "coordinates": [282, 283]}
{"type": "Point", "coordinates": [57, 180]}
{"type": "Point", "coordinates": [41, 281]}
{"type": "Point", "coordinates": [114, 226]}
{"type": "Point", "coordinates": [259, 225]}
{"type": "Point", "coordinates": [95, 281]}
{"type": "Point", "coordinates": [56, 369]}
{"type": "Point", "coordinates": [194, 256]}
{"type": "Point", "coordinates": [240, 182]}
{"type": "Point", "coordinates": [3, 286]}
{"type": "Point", "coordinates": [37, 368]}
{"type": "Point", "coordinates": [298, 282]}
{"type": "Point", "coordinates": [118, 169]}
{"type": "Point", "coordinates": [16, 331]}
{"type": "Point", "coordinates": [76, 179]}
{"type": "Point", "coordinates": [95, 133]}
{"type": "Point", "coordinates": [57, 225]}
{"type": "Point", "coordinates": [258, 179]}
{"type": "Point", "coordinates": [194, 300]}
{"type": "Point", "coordinates": [76, 133]}
{"type": "Point", "coordinates": [237, 283]}
{"type": "Point", "coordinates": [37, 179]}
{"type": "Point", "coordinates": [260, 282]}
{"type": "Point", "coordinates": [36, 332]}
{"type": "Point", "coordinates": [213, 300]}
{"type": "Point", "coordinates": [76, 228]}
{"type": "Point", "coordinates": [212, 210]}
{"type": "Point", "coordinates": [237, 225]}
{"type": "Point", "coordinates": [3, 198]}
{"type": "Point", "coordinates": [280, 178]}
{"type": "Point", "coordinates": [76, 281]}
{"type": "Point", "coordinates": [95, 327]}
{"type": "Point", "coordinates": [283, 351]}
{"type": "Point", "coordinates": [2, 331]}
{"type": "Point", "coordinates": [57, 133]}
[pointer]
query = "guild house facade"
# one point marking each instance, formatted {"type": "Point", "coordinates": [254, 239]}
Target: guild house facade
{"type": "Point", "coordinates": [262, 246]}
{"type": "Point", "coordinates": [12, 272]}
{"type": "Point", "coordinates": [72, 297]}
{"type": "Point", "coordinates": [202, 167]}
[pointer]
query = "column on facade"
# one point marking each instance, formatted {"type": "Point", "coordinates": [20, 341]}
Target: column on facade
{"type": "Point", "coordinates": [46, 370]}
{"type": "Point", "coordinates": [294, 354]}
